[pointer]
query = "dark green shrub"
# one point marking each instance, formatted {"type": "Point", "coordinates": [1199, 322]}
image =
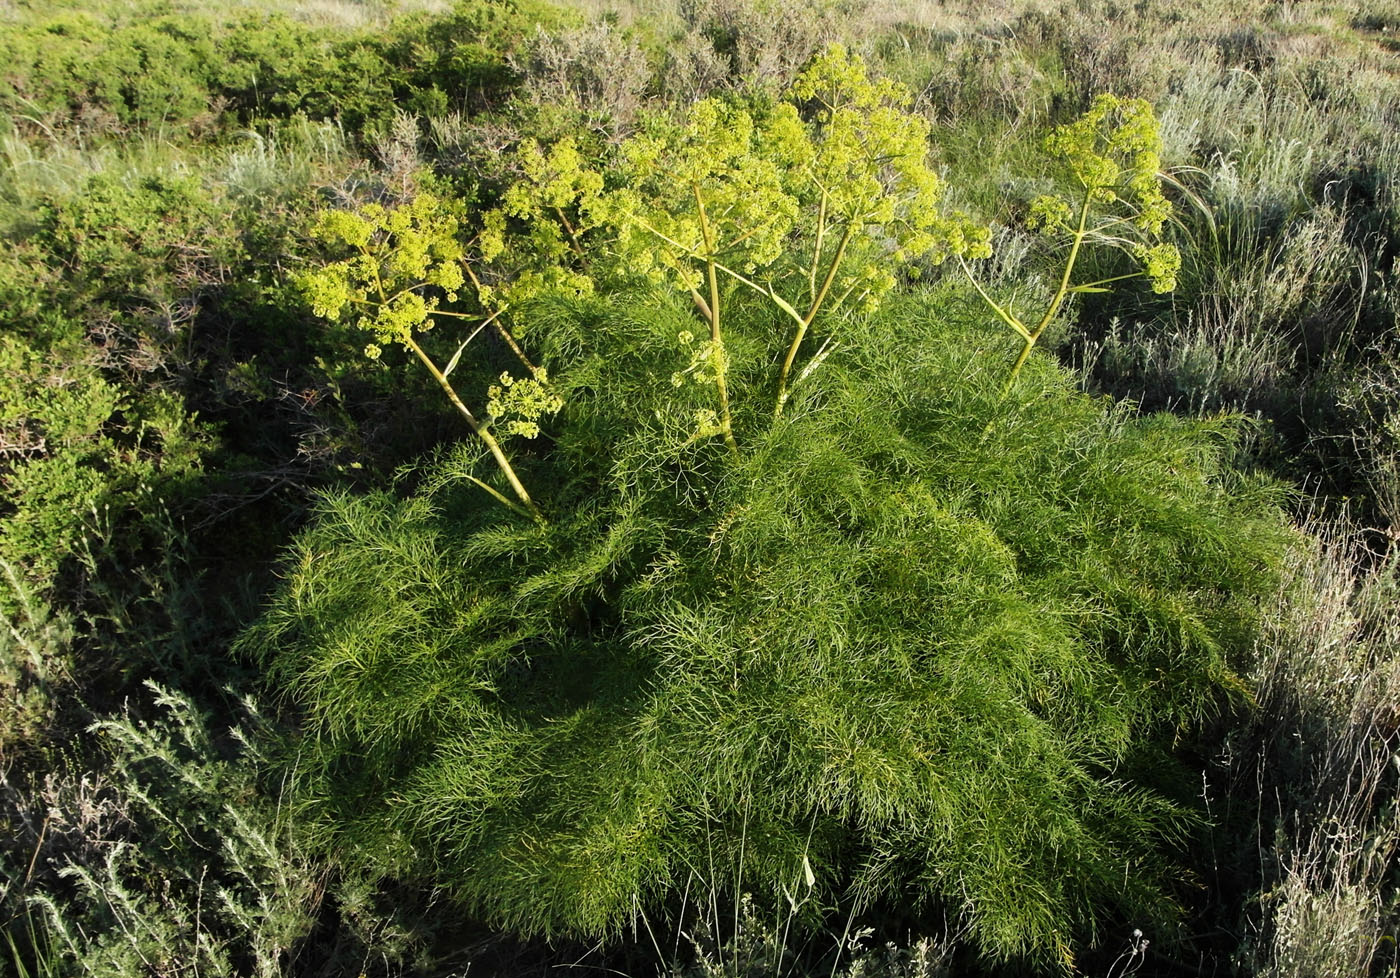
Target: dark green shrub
{"type": "Point", "coordinates": [88, 456]}
{"type": "Point", "coordinates": [93, 453]}
{"type": "Point", "coordinates": [463, 53]}
{"type": "Point", "coordinates": [121, 236]}
{"type": "Point", "coordinates": [77, 66]}
{"type": "Point", "coordinates": [938, 642]}
{"type": "Point", "coordinates": [112, 73]}
{"type": "Point", "coordinates": [424, 64]}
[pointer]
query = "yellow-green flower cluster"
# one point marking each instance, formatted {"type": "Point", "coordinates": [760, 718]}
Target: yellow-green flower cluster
{"type": "Point", "coordinates": [516, 404]}
{"type": "Point", "coordinates": [1050, 215]}
{"type": "Point", "coordinates": [867, 151]}
{"type": "Point", "coordinates": [955, 234]}
{"type": "Point", "coordinates": [1161, 263]}
{"type": "Point", "coordinates": [555, 180]}
{"type": "Point", "coordinates": [709, 173]}
{"type": "Point", "coordinates": [707, 362]}
{"type": "Point", "coordinates": [402, 262]}
{"type": "Point", "coordinates": [842, 153]}
{"type": "Point", "coordinates": [1114, 152]}
{"type": "Point", "coordinates": [553, 208]}
{"type": "Point", "coordinates": [707, 425]}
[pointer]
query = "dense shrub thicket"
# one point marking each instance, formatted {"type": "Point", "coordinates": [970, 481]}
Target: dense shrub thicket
{"type": "Point", "coordinates": [105, 72]}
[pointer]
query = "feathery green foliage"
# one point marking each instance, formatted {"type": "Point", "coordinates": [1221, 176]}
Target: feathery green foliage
{"type": "Point", "coordinates": [166, 405]}
{"type": "Point", "coordinates": [937, 641]}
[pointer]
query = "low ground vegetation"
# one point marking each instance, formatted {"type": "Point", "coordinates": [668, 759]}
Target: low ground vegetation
{"type": "Point", "coordinates": [903, 582]}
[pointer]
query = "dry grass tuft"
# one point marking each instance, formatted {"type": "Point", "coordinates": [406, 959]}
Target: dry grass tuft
{"type": "Point", "coordinates": [1328, 730]}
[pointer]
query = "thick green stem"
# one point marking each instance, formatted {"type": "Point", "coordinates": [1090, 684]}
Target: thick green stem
{"type": "Point", "coordinates": [726, 425]}
{"type": "Point", "coordinates": [1053, 309]}
{"type": "Point", "coordinates": [480, 430]}
{"type": "Point", "coordinates": [495, 321]}
{"type": "Point", "coordinates": [1020, 362]}
{"type": "Point", "coordinates": [817, 247]}
{"type": "Point", "coordinates": [573, 237]}
{"type": "Point", "coordinates": [802, 327]}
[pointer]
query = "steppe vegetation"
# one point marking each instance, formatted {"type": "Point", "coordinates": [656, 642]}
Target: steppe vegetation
{"type": "Point", "coordinates": [700, 488]}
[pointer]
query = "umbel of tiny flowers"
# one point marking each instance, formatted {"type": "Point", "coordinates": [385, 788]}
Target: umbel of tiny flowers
{"type": "Point", "coordinates": [551, 206]}
{"type": "Point", "coordinates": [857, 159]}
{"type": "Point", "coordinates": [519, 402]}
{"type": "Point", "coordinates": [400, 266]}
{"type": "Point", "coordinates": [810, 204]}
{"type": "Point", "coordinates": [1109, 163]}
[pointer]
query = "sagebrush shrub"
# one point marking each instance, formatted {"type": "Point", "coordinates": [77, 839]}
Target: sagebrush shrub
{"type": "Point", "coordinates": [596, 74]}
{"type": "Point", "coordinates": [34, 659]}
{"type": "Point", "coordinates": [166, 859]}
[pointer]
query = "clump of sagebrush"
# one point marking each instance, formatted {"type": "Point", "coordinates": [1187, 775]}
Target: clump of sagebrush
{"type": "Point", "coordinates": [1320, 753]}
{"type": "Point", "coordinates": [35, 656]}
{"type": "Point", "coordinates": [938, 642]}
{"type": "Point", "coordinates": [165, 860]}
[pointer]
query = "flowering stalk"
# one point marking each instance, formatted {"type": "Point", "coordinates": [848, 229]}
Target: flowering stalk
{"type": "Point", "coordinates": [756, 198]}
{"type": "Point", "coordinates": [482, 431]}
{"type": "Point", "coordinates": [405, 261]}
{"type": "Point", "coordinates": [1112, 153]}
{"type": "Point", "coordinates": [726, 423]}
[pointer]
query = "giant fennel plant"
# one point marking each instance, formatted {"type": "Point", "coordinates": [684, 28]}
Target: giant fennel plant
{"type": "Point", "coordinates": [936, 646]}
